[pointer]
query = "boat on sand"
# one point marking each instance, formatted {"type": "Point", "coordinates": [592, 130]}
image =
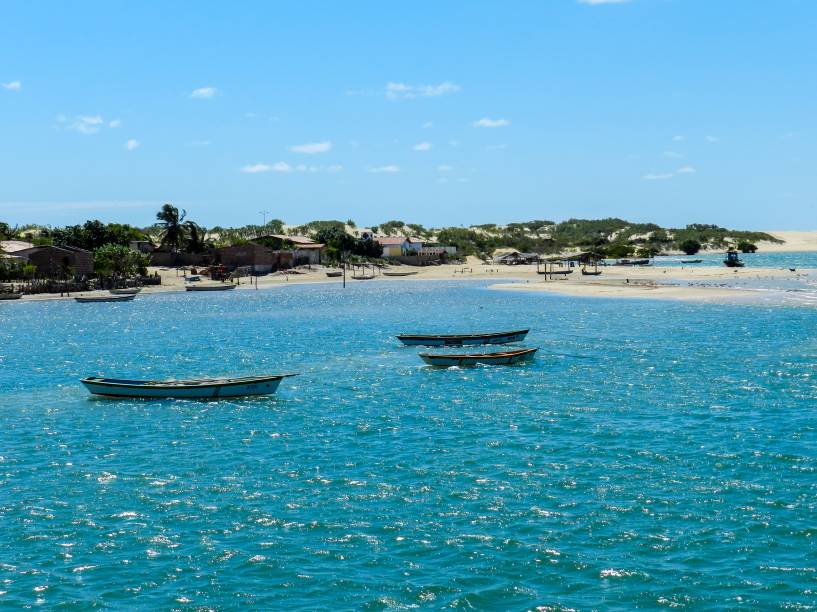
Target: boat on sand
{"type": "Point", "coordinates": [90, 299]}
{"type": "Point", "coordinates": [10, 296]}
{"type": "Point", "coordinates": [125, 291]}
{"type": "Point", "coordinates": [334, 273]}
{"type": "Point", "coordinates": [211, 287]}
{"type": "Point", "coordinates": [399, 273]}
{"type": "Point", "coordinates": [503, 337]}
{"type": "Point", "coordinates": [470, 359]}
{"type": "Point", "coordinates": [205, 388]}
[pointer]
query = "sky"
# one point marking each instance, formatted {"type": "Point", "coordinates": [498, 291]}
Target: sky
{"type": "Point", "coordinates": [439, 113]}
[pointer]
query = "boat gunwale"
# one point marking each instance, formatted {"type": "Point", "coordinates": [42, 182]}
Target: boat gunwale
{"type": "Point", "coordinates": [205, 383]}
{"type": "Point", "coordinates": [463, 336]}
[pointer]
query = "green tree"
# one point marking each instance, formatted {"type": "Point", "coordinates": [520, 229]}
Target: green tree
{"type": "Point", "coordinates": [747, 247]}
{"type": "Point", "coordinates": [121, 261]}
{"type": "Point", "coordinates": [690, 246]}
{"type": "Point", "coordinates": [196, 240]}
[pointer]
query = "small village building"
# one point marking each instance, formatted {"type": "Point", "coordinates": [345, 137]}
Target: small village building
{"type": "Point", "coordinates": [515, 258]}
{"type": "Point", "coordinates": [143, 246]}
{"type": "Point", "coordinates": [58, 261]}
{"type": "Point", "coordinates": [399, 246]}
{"type": "Point", "coordinates": [269, 253]}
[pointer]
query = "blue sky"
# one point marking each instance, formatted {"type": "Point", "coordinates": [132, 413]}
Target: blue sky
{"type": "Point", "coordinates": [673, 111]}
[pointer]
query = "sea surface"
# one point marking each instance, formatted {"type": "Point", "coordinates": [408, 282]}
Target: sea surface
{"type": "Point", "coordinates": [654, 455]}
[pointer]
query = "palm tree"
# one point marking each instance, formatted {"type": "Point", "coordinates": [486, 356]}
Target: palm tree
{"type": "Point", "coordinates": [172, 227]}
{"type": "Point", "coordinates": [196, 237]}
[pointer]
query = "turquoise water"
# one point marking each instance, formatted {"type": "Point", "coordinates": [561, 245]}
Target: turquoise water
{"type": "Point", "coordinates": [656, 454]}
{"type": "Point", "coordinates": [797, 259]}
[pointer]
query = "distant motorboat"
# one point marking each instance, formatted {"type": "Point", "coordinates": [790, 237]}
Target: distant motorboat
{"type": "Point", "coordinates": [89, 299]}
{"type": "Point", "coordinates": [632, 262]}
{"type": "Point", "coordinates": [125, 291]}
{"type": "Point", "coordinates": [206, 388]}
{"type": "Point", "coordinates": [733, 260]}
{"type": "Point", "coordinates": [691, 261]}
{"type": "Point", "coordinates": [213, 287]}
{"type": "Point", "coordinates": [470, 359]}
{"type": "Point", "coordinates": [503, 337]}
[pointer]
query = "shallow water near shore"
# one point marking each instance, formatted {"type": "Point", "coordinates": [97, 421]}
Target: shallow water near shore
{"type": "Point", "coordinates": [654, 454]}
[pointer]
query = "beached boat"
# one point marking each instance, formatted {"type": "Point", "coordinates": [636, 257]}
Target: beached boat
{"type": "Point", "coordinates": [469, 359]}
{"type": "Point", "coordinates": [211, 287]}
{"type": "Point", "coordinates": [334, 273]}
{"type": "Point", "coordinates": [399, 273]}
{"type": "Point", "coordinates": [90, 299]}
{"type": "Point", "coordinates": [125, 291]}
{"type": "Point", "coordinates": [364, 277]}
{"type": "Point", "coordinates": [207, 388]}
{"type": "Point", "coordinates": [632, 262]}
{"type": "Point", "coordinates": [10, 296]}
{"type": "Point", "coordinates": [463, 339]}
{"type": "Point", "coordinates": [563, 272]}
{"type": "Point", "coordinates": [691, 261]}
{"type": "Point", "coordinates": [591, 272]}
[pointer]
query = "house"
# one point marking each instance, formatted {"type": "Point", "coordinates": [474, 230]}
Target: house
{"type": "Point", "coordinates": [143, 246]}
{"type": "Point", "coordinates": [398, 246]}
{"type": "Point", "coordinates": [58, 261]}
{"type": "Point", "coordinates": [304, 251]}
{"type": "Point", "coordinates": [259, 258]}
{"type": "Point", "coordinates": [515, 258]}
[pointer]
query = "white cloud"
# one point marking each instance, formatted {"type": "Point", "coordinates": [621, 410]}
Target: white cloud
{"type": "Point", "coordinates": [658, 177]}
{"type": "Point", "coordinates": [132, 145]}
{"type": "Point", "coordinates": [204, 93]}
{"type": "Point", "coordinates": [13, 86]}
{"type": "Point", "coordinates": [388, 169]}
{"type": "Point", "coordinates": [672, 154]}
{"type": "Point", "coordinates": [401, 91]}
{"type": "Point", "coordinates": [487, 122]}
{"type": "Point", "coordinates": [686, 170]}
{"type": "Point", "coordinates": [679, 138]}
{"type": "Point", "coordinates": [596, 2]}
{"type": "Point", "coordinates": [312, 147]}
{"type": "Point", "coordinates": [84, 124]}
{"type": "Point", "coordinates": [258, 168]}
{"type": "Point", "coordinates": [428, 124]}
{"type": "Point", "coordinates": [712, 139]}
{"type": "Point", "coordinates": [444, 168]}
{"type": "Point", "coordinates": [284, 167]}
{"type": "Point", "coordinates": [422, 146]}
{"type": "Point", "coordinates": [115, 123]}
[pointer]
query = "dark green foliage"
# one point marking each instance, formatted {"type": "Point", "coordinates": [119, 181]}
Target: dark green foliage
{"type": "Point", "coordinates": [619, 250]}
{"type": "Point", "coordinates": [747, 247]}
{"type": "Point", "coordinates": [7, 232]}
{"type": "Point", "coordinates": [92, 234]}
{"type": "Point", "coordinates": [690, 246]}
{"type": "Point", "coordinates": [121, 261]}
{"type": "Point", "coordinates": [171, 222]}
{"type": "Point", "coordinates": [390, 227]}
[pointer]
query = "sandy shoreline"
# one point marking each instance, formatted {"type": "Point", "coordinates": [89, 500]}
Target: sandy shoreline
{"type": "Point", "coordinates": [688, 283]}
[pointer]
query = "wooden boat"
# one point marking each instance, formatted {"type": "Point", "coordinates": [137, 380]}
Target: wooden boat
{"type": "Point", "coordinates": [125, 291]}
{"type": "Point", "coordinates": [211, 287]}
{"type": "Point", "coordinates": [691, 261]}
{"type": "Point", "coordinates": [564, 272]}
{"type": "Point", "coordinates": [469, 359]}
{"type": "Point", "coordinates": [334, 273]}
{"type": "Point", "coordinates": [463, 339]}
{"type": "Point", "coordinates": [89, 299]}
{"type": "Point", "coordinates": [632, 262]}
{"type": "Point", "coordinates": [364, 277]}
{"type": "Point", "coordinates": [591, 272]}
{"type": "Point", "coordinates": [399, 273]}
{"type": "Point", "coordinates": [207, 388]}
{"type": "Point", "coordinates": [10, 296]}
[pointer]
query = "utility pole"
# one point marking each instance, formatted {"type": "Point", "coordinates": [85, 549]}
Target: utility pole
{"type": "Point", "coordinates": [264, 214]}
